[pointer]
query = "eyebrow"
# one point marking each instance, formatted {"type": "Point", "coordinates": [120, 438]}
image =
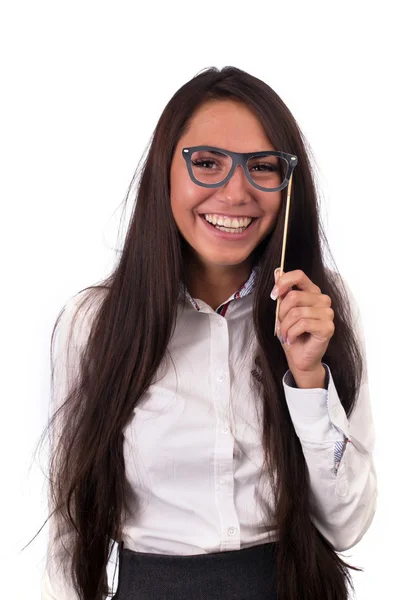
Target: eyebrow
{"type": "Point", "coordinates": [215, 151]}
{"type": "Point", "coordinates": [255, 152]}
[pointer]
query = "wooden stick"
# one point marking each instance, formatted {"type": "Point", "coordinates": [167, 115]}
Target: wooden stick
{"type": "Point", "coordinates": [282, 262]}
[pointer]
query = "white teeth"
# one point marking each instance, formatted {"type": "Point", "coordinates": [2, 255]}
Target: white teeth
{"type": "Point", "coordinates": [227, 221]}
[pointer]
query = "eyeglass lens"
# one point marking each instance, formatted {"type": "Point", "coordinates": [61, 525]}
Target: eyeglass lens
{"type": "Point", "coordinates": [268, 171]}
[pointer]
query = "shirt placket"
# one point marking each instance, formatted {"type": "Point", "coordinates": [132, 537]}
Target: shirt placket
{"type": "Point", "coordinates": [224, 441]}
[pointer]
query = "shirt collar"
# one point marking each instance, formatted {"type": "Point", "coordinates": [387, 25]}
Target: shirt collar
{"type": "Point", "coordinates": [246, 289]}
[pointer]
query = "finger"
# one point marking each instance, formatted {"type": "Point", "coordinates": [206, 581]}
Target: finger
{"type": "Point", "coordinates": [293, 298]}
{"type": "Point", "coordinates": [305, 313]}
{"type": "Point", "coordinates": [323, 330]}
{"type": "Point", "coordinates": [299, 279]}
{"type": "Point", "coordinates": [277, 274]}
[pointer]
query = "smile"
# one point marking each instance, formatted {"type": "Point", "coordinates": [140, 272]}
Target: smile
{"type": "Point", "coordinates": [229, 233]}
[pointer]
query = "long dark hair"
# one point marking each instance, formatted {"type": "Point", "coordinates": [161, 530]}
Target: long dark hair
{"type": "Point", "coordinates": [128, 333]}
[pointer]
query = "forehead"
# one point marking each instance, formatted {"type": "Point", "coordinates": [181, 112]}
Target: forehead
{"type": "Point", "coordinates": [227, 124]}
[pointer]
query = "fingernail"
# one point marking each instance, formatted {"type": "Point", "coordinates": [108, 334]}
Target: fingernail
{"type": "Point", "coordinates": [277, 273]}
{"type": "Point", "coordinates": [274, 293]}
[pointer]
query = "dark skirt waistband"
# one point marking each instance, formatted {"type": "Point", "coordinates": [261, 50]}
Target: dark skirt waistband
{"type": "Point", "coordinates": [247, 574]}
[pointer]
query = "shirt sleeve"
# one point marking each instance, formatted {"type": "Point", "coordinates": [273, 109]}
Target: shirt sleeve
{"type": "Point", "coordinates": [64, 368]}
{"type": "Point", "coordinates": [66, 351]}
{"type": "Point", "coordinates": [340, 445]}
{"type": "Point", "coordinates": [338, 453]}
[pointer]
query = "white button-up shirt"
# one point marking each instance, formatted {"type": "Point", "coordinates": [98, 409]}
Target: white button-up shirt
{"type": "Point", "coordinates": [193, 449]}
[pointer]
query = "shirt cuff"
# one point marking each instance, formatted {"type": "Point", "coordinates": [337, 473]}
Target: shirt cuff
{"type": "Point", "coordinates": [317, 413]}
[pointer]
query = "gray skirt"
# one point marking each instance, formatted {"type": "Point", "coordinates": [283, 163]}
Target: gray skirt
{"type": "Point", "coordinates": [247, 574]}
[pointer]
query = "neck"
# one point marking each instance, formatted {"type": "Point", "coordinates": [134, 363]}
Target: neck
{"type": "Point", "coordinates": [213, 283]}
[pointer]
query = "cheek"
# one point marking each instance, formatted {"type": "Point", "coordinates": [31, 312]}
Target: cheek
{"type": "Point", "coordinates": [185, 197]}
{"type": "Point", "coordinates": [274, 205]}
{"type": "Point", "coordinates": [271, 210]}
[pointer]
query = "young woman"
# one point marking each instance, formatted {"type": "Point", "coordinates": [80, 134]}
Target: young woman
{"type": "Point", "coordinates": [195, 454]}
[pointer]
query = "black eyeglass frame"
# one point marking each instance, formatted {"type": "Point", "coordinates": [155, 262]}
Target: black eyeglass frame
{"type": "Point", "coordinates": [240, 158]}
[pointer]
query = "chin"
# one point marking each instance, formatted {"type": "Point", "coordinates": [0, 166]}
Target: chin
{"type": "Point", "coordinates": [225, 261]}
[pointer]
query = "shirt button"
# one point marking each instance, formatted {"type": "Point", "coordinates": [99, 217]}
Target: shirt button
{"type": "Point", "coordinates": [222, 481]}
{"type": "Point", "coordinates": [221, 377]}
{"type": "Point", "coordinates": [232, 531]}
{"type": "Point", "coordinates": [225, 430]}
{"type": "Point", "coordinates": [220, 322]}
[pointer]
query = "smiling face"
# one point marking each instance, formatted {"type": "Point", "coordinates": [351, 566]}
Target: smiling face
{"type": "Point", "coordinates": [231, 125]}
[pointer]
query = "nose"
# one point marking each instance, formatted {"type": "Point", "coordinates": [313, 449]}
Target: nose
{"type": "Point", "coordinates": [236, 189]}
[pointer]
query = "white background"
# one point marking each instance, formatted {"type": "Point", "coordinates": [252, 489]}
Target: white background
{"type": "Point", "coordinates": [82, 87]}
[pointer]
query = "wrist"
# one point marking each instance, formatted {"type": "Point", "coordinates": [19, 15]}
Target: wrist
{"type": "Point", "coordinates": [310, 379]}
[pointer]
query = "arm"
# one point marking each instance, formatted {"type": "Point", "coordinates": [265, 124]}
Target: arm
{"type": "Point", "coordinates": [65, 369]}
{"type": "Point", "coordinates": [67, 347]}
{"type": "Point", "coordinates": [338, 452]}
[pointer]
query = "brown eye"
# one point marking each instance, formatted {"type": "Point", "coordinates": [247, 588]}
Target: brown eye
{"type": "Point", "coordinates": [203, 161]}
{"type": "Point", "coordinates": [265, 167]}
